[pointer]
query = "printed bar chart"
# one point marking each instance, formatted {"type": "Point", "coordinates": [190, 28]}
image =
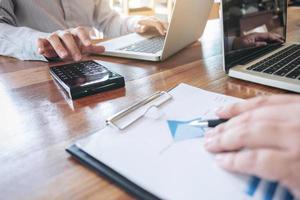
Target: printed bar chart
{"type": "Point", "coordinates": [182, 130]}
{"type": "Point", "coordinates": [269, 190]}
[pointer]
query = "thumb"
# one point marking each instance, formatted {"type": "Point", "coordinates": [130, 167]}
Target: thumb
{"type": "Point", "coordinates": [238, 108]}
{"type": "Point", "coordinates": [41, 44]}
{"type": "Point", "coordinates": [94, 49]}
{"type": "Point", "coordinates": [45, 48]}
{"type": "Point", "coordinates": [141, 29]}
{"type": "Point", "coordinates": [260, 44]}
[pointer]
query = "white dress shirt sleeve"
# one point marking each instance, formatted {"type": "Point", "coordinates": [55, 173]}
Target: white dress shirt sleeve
{"type": "Point", "coordinates": [17, 42]}
{"type": "Point", "coordinates": [111, 23]}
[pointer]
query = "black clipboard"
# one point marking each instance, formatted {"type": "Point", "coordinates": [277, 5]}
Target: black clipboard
{"type": "Point", "coordinates": [105, 171]}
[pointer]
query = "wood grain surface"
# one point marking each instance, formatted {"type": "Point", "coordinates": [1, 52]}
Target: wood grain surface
{"type": "Point", "coordinates": [37, 123]}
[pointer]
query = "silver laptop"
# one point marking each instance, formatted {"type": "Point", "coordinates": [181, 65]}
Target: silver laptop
{"type": "Point", "coordinates": [250, 54]}
{"type": "Point", "coordinates": [187, 24]}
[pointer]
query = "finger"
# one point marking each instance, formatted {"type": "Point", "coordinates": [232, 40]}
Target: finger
{"type": "Point", "coordinates": [153, 23]}
{"type": "Point", "coordinates": [276, 37]}
{"type": "Point", "coordinates": [55, 42]}
{"type": "Point", "coordinates": [70, 43]}
{"type": "Point", "coordinates": [262, 36]}
{"type": "Point", "coordinates": [41, 45]}
{"type": "Point", "coordinates": [50, 54]}
{"type": "Point", "coordinates": [142, 29]}
{"type": "Point", "coordinates": [265, 163]}
{"type": "Point", "coordinates": [248, 42]}
{"type": "Point", "coordinates": [83, 34]}
{"type": "Point", "coordinates": [260, 44]}
{"type": "Point", "coordinates": [249, 136]}
{"type": "Point", "coordinates": [94, 49]}
{"type": "Point", "coordinates": [160, 28]}
{"type": "Point", "coordinates": [272, 113]}
{"type": "Point", "coordinates": [238, 108]}
{"type": "Point", "coordinates": [45, 48]}
{"type": "Point", "coordinates": [44, 45]}
{"type": "Point", "coordinates": [165, 25]}
{"type": "Point", "coordinates": [273, 37]}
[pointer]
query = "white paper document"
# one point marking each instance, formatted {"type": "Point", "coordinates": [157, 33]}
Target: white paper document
{"type": "Point", "coordinates": [148, 154]}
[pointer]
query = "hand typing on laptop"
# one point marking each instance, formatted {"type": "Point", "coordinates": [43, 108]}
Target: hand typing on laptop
{"type": "Point", "coordinates": [73, 43]}
{"type": "Point", "coordinates": [257, 48]}
{"type": "Point", "coordinates": [148, 24]}
{"type": "Point", "coordinates": [29, 30]}
{"type": "Point", "coordinates": [262, 138]}
{"type": "Point", "coordinates": [256, 40]}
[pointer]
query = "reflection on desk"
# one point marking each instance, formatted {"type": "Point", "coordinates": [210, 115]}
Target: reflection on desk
{"type": "Point", "coordinates": [37, 123]}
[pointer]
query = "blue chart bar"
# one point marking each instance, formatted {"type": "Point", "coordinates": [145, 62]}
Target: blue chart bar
{"type": "Point", "coordinates": [288, 195]}
{"type": "Point", "coordinates": [253, 185]}
{"type": "Point", "coordinates": [182, 130]}
{"type": "Point", "coordinates": [270, 190]}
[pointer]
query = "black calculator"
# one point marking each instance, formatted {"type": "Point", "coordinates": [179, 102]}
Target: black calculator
{"type": "Point", "coordinates": [86, 78]}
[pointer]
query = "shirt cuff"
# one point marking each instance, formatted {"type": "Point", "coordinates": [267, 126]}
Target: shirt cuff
{"type": "Point", "coordinates": [30, 51]}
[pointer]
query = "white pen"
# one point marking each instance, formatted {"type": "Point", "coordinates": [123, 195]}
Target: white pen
{"type": "Point", "coordinates": [211, 123]}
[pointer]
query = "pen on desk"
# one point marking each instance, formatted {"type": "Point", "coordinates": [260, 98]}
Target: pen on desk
{"type": "Point", "coordinates": [211, 123]}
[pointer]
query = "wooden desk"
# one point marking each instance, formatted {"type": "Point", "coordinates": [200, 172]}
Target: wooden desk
{"type": "Point", "coordinates": [37, 123]}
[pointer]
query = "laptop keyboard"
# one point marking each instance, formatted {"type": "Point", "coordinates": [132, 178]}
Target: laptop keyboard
{"type": "Point", "coordinates": [151, 45]}
{"type": "Point", "coordinates": [285, 63]}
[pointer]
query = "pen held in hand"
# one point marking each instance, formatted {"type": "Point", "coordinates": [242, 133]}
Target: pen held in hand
{"type": "Point", "coordinates": [208, 123]}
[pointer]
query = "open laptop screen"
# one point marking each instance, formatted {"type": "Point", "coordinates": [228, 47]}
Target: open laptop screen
{"type": "Point", "coordinates": [252, 28]}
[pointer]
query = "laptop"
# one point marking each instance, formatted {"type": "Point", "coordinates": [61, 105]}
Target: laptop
{"type": "Point", "coordinates": [187, 24]}
{"type": "Point", "coordinates": [252, 50]}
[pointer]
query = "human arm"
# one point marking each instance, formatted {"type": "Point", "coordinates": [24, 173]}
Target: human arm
{"type": "Point", "coordinates": [74, 42]}
{"type": "Point", "coordinates": [18, 42]}
{"type": "Point", "coordinates": [112, 24]}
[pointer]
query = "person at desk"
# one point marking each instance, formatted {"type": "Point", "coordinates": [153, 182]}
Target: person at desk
{"type": "Point", "coordinates": [253, 40]}
{"type": "Point", "coordinates": [262, 138]}
{"type": "Point", "coordinates": [45, 30]}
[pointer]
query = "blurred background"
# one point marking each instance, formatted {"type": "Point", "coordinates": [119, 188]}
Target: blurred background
{"type": "Point", "coordinates": [160, 8]}
{"type": "Point", "coordinates": [163, 8]}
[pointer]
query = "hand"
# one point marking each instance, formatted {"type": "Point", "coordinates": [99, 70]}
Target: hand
{"type": "Point", "coordinates": [148, 24]}
{"type": "Point", "coordinates": [72, 43]}
{"type": "Point", "coordinates": [256, 40]}
{"type": "Point", "coordinates": [262, 138]}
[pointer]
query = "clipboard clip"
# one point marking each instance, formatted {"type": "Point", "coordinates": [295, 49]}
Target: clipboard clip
{"type": "Point", "coordinates": [130, 115]}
